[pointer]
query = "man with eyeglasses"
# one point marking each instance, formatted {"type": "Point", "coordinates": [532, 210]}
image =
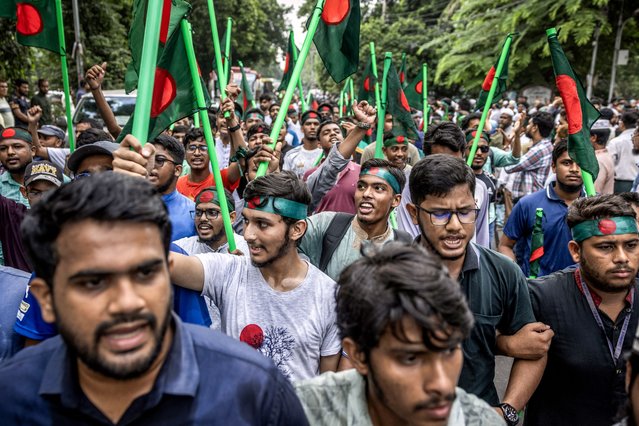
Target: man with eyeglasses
{"type": "Point", "coordinates": [444, 209]}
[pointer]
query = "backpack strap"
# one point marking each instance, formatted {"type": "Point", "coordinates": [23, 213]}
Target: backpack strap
{"type": "Point", "coordinates": [333, 236]}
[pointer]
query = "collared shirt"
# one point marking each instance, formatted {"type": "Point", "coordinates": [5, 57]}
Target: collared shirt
{"type": "Point", "coordinates": [341, 399]}
{"type": "Point", "coordinates": [556, 231]}
{"type": "Point", "coordinates": [625, 159]}
{"type": "Point", "coordinates": [581, 384]}
{"type": "Point", "coordinates": [605, 183]}
{"type": "Point", "coordinates": [181, 213]}
{"type": "Point", "coordinates": [497, 294]}
{"type": "Point", "coordinates": [532, 169]}
{"type": "Point", "coordinates": [207, 378]}
{"type": "Point", "coordinates": [10, 189]}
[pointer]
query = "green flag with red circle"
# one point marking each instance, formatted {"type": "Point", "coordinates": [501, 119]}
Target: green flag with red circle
{"type": "Point", "coordinates": [397, 105]}
{"type": "Point", "coordinates": [337, 37]}
{"type": "Point", "coordinates": [172, 13]}
{"type": "Point", "coordinates": [488, 82]}
{"type": "Point", "coordinates": [173, 90]}
{"type": "Point", "coordinates": [402, 72]}
{"type": "Point", "coordinates": [289, 62]}
{"type": "Point", "coordinates": [247, 92]}
{"type": "Point", "coordinates": [415, 93]}
{"type": "Point", "coordinates": [367, 84]}
{"type": "Point", "coordinates": [580, 113]}
{"type": "Point", "coordinates": [36, 24]}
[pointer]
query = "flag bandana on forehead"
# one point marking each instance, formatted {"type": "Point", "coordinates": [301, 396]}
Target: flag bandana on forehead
{"type": "Point", "coordinates": [367, 85]}
{"type": "Point", "coordinates": [397, 106]}
{"type": "Point", "coordinates": [279, 206]}
{"type": "Point", "coordinates": [172, 13]}
{"type": "Point", "coordinates": [488, 82]}
{"type": "Point", "coordinates": [383, 174]}
{"type": "Point", "coordinates": [601, 227]}
{"type": "Point", "coordinates": [337, 37]}
{"type": "Point", "coordinates": [36, 23]}
{"type": "Point", "coordinates": [580, 113]}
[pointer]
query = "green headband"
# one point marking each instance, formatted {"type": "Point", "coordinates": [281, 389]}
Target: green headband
{"type": "Point", "coordinates": [470, 136]}
{"type": "Point", "coordinates": [280, 206]}
{"type": "Point", "coordinates": [383, 174]}
{"type": "Point", "coordinates": [601, 227]}
{"type": "Point", "coordinates": [395, 140]}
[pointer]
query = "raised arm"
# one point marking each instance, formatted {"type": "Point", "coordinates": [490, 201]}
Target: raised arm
{"type": "Point", "coordinates": [33, 117]}
{"type": "Point", "coordinates": [94, 77]}
{"type": "Point", "coordinates": [186, 271]}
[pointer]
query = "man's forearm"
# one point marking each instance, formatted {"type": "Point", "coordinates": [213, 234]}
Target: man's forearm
{"type": "Point", "coordinates": [524, 378]}
{"type": "Point", "coordinates": [349, 144]}
{"type": "Point", "coordinates": [106, 113]}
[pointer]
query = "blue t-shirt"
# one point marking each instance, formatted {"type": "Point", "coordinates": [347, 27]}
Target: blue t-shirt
{"type": "Point", "coordinates": [296, 140]}
{"type": "Point", "coordinates": [556, 232]}
{"type": "Point", "coordinates": [13, 283]}
{"type": "Point", "coordinates": [189, 305]}
{"type": "Point", "coordinates": [182, 215]}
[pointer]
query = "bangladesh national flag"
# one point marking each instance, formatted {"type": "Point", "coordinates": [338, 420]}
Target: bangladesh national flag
{"type": "Point", "coordinates": [536, 244]}
{"type": "Point", "coordinates": [289, 62]}
{"type": "Point", "coordinates": [312, 102]}
{"type": "Point", "coordinates": [488, 82]}
{"type": "Point", "coordinates": [172, 13]}
{"type": "Point", "coordinates": [36, 23]}
{"type": "Point", "coordinates": [367, 85]}
{"type": "Point", "coordinates": [580, 113]}
{"type": "Point", "coordinates": [173, 92]}
{"type": "Point", "coordinates": [402, 72]}
{"type": "Point", "coordinates": [247, 92]}
{"type": "Point", "coordinates": [415, 93]}
{"type": "Point", "coordinates": [8, 9]}
{"type": "Point", "coordinates": [337, 38]}
{"type": "Point", "coordinates": [226, 56]}
{"type": "Point", "coordinates": [397, 105]}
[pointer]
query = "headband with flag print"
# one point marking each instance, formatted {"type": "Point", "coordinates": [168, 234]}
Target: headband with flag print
{"type": "Point", "coordinates": [383, 174]}
{"type": "Point", "coordinates": [279, 206]}
{"type": "Point", "coordinates": [600, 227]}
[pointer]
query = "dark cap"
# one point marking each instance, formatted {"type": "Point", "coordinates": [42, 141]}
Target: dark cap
{"type": "Point", "coordinates": [49, 130]}
{"type": "Point", "coordinates": [96, 148]}
{"type": "Point", "coordinates": [42, 170]}
{"type": "Point", "coordinates": [16, 133]}
{"type": "Point", "coordinates": [310, 114]}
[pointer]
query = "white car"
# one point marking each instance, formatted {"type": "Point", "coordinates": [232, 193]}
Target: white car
{"type": "Point", "coordinates": [121, 104]}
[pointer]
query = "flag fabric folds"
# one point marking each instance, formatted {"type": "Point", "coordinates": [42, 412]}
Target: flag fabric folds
{"type": "Point", "coordinates": [337, 37]}
{"type": "Point", "coordinates": [415, 93]}
{"type": "Point", "coordinates": [537, 243]}
{"type": "Point", "coordinates": [247, 92]}
{"type": "Point", "coordinates": [580, 113]}
{"type": "Point", "coordinates": [402, 72]}
{"type": "Point", "coordinates": [36, 23]}
{"type": "Point", "coordinates": [289, 62]}
{"type": "Point", "coordinates": [488, 81]}
{"type": "Point", "coordinates": [172, 13]}
{"type": "Point", "coordinates": [367, 85]}
{"type": "Point", "coordinates": [397, 105]}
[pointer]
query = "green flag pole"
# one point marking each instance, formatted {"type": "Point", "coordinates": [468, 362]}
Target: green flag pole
{"type": "Point", "coordinates": [489, 99]}
{"type": "Point", "coordinates": [196, 120]}
{"type": "Point", "coordinates": [299, 81]}
{"type": "Point", "coordinates": [425, 95]}
{"type": "Point", "coordinates": [352, 95]}
{"type": "Point", "coordinates": [140, 128]}
{"type": "Point", "coordinates": [208, 136]}
{"type": "Point", "coordinates": [374, 66]}
{"type": "Point", "coordinates": [341, 102]}
{"type": "Point", "coordinates": [297, 71]}
{"type": "Point", "coordinates": [381, 108]}
{"type": "Point", "coordinates": [65, 73]}
{"type": "Point", "coordinates": [219, 69]}
{"type": "Point", "coordinates": [319, 159]}
{"type": "Point", "coordinates": [227, 50]}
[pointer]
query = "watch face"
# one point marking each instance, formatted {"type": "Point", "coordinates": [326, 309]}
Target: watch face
{"type": "Point", "coordinates": [510, 413]}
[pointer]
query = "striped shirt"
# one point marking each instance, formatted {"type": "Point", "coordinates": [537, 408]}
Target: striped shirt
{"type": "Point", "coordinates": [532, 169]}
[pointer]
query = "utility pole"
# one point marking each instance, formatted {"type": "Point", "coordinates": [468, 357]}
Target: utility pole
{"type": "Point", "coordinates": [384, 11]}
{"type": "Point", "coordinates": [591, 74]}
{"type": "Point", "coordinates": [78, 50]}
{"type": "Point", "coordinates": [615, 56]}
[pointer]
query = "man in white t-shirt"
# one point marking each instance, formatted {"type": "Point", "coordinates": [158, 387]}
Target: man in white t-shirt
{"type": "Point", "coordinates": [272, 299]}
{"type": "Point", "coordinates": [305, 156]}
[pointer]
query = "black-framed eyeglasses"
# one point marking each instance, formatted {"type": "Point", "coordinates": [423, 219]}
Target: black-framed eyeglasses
{"type": "Point", "coordinates": [210, 213]}
{"type": "Point", "coordinates": [442, 217]}
{"type": "Point", "coordinates": [193, 148]}
{"type": "Point", "coordinates": [160, 161]}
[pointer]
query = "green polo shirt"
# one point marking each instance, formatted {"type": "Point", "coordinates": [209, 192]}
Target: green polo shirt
{"type": "Point", "coordinates": [497, 294]}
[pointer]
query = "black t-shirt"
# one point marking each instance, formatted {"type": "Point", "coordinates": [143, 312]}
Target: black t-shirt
{"type": "Point", "coordinates": [581, 385]}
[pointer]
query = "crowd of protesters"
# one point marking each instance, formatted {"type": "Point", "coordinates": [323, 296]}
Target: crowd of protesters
{"type": "Point", "coordinates": [360, 290]}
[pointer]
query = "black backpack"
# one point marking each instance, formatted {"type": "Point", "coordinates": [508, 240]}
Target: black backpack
{"type": "Point", "coordinates": [336, 231]}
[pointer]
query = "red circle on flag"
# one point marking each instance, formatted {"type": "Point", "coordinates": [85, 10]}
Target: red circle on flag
{"type": "Point", "coordinates": [287, 63]}
{"type": "Point", "coordinates": [568, 91]}
{"type": "Point", "coordinates": [252, 335]}
{"type": "Point", "coordinates": [164, 91]}
{"type": "Point", "coordinates": [29, 21]}
{"type": "Point", "coordinates": [419, 87]}
{"type": "Point", "coordinates": [607, 226]}
{"type": "Point", "coordinates": [403, 101]}
{"type": "Point", "coordinates": [335, 11]}
{"type": "Point", "coordinates": [367, 84]}
{"type": "Point", "coordinates": [401, 77]}
{"type": "Point", "coordinates": [9, 133]}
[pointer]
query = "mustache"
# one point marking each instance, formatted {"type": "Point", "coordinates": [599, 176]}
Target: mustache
{"type": "Point", "coordinates": [103, 327]}
{"type": "Point", "coordinates": [436, 401]}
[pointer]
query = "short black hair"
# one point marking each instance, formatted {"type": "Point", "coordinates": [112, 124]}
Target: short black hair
{"type": "Point", "coordinates": [92, 122]}
{"type": "Point", "coordinates": [42, 80]}
{"type": "Point", "coordinates": [558, 150]}
{"type": "Point", "coordinates": [544, 122]}
{"type": "Point", "coordinates": [20, 81]}
{"type": "Point", "coordinates": [394, 281]}
{"type": "Point", "coordinates": [258, 128]}
{"type": "Point", "coordinates": [629, 119]}
{"type": "Point", "coordinates": [284, 184]}
{"type": "Point", "coordinates": [598, 207]}
{"type": "Point", "coordinates": [180, 129]}
{"type": "Point", "coordinates": [174, 148]}
{"type": "Point", "coordinates": [602, 135]}
{"type": "Point", "coordinates": [447, 134]}
{"type": "Point", "coordinates": [326, 123]}
{"type": "Point", "coordinates": [274, 104]}
{"type": "Point", "coordinates": [92, 135]}
{"type": "Point", "coordinates": [193, 135]}
{"type": "Point", "coordinates": [630, 197]}
{"type": "Point", "coordinates": [385, 164]}
{"type": "Point", "coordinates": [437, 175]}
{"type": "Point", "coordinates": [465, 124]}
{"type": "Point", "coordinates": [266, 97]}
{"type": "Point", "coordinates": [105, 197]}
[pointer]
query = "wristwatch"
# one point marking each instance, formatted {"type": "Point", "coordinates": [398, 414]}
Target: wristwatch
{"type": "Point", "coordinates": [364, 126]}
{"type": "Point", "coordinates": [510, 414]}
{"type": "Point", "coordinates": [234, 128]}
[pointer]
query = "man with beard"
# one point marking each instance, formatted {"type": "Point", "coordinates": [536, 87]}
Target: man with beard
{"type": "Point", "coordinates": [209, 225]}
{"type": "Point", "coordinates": [265, 102]}
{"type": "Point", "coordinates": [378, 192]}
{"type": "Point", "coordinates": [16, 152]}
{"type": "Point", "coordinates": [505, 130]}
{"type": "Point", "coordinates": [20, 103]}
{"type": "Point", "coordinates": [333, 183]}
{"type": "Point", "coordinates": [272, 299]}
{"type": "Point", "coordinates": [303, 157]}
{"type": "Point", "coordinates": [444, 209]}
{"type": "Point", "coordinates": [122, 356]}
{"type": "Point", "coordinates": [591, 308]}
{"type": "Point", "coordinates": [402, 320]}
{"type": "Point", "coordinates": [40, 99]}
{"type": "Point", "coordinates": [555, 200]}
